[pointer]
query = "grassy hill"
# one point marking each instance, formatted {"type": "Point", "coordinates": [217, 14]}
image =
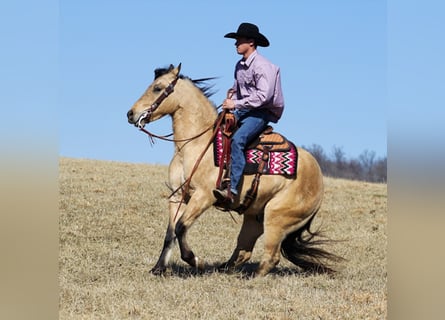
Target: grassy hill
{"type": "Point", "coordinates": [113, 217]}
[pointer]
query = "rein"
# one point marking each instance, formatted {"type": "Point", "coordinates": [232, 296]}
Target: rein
{"type": "Point", "coordinates": [166, 137]}
{"type": "Point", "coordinates": [147, 114]}
{"type": "Point", "coordinates": [185, 186]}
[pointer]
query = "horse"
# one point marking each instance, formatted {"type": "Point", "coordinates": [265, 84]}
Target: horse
{"type": "Point", "coordinates": [283, 209]}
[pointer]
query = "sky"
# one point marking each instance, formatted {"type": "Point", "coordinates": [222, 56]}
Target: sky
{"type": "Point", "coordinates": [78, 66]}
{"type": "Point", "coordinates": [332, 57]}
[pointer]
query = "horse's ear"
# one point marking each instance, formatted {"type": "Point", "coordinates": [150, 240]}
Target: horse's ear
{"type": "Point", "coordinates": [177, 69]}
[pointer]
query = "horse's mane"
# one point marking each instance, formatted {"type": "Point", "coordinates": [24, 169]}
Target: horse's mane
{"type": "Point", "coordinates": [201, 84]}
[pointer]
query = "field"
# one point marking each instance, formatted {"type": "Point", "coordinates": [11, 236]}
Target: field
{"type": "Point", "coordinates": [113, 218]}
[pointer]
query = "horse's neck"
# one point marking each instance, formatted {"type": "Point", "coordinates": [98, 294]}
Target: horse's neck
{"type": "Point", "coordinates": [196, 115]}
{"type": "Point", "coordinates": [194, 120]}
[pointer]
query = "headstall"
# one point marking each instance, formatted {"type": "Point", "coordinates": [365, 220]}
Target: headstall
{"type": "Point", "coordinates": [147, 113]}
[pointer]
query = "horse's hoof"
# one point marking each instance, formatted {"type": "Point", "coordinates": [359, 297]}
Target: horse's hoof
{"type": "Point", "coordinates": [157, 271]}
{"type": "Point", "coordinates": [223, 266]}
{"type": "Point", "coordinates": [226, 267]}
{"type": "Point", "coordinates": [199, 264]}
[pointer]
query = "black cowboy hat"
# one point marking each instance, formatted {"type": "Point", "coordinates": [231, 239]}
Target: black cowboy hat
{"type": "Point", "coordinates": [250, 31]}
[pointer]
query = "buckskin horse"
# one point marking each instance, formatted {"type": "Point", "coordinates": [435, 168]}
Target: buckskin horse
{"type": "Point", "coordinates": [284, 207]}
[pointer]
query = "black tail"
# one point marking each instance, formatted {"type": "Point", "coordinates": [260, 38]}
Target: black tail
{"type": "Point", "coordinates": [304, 251]}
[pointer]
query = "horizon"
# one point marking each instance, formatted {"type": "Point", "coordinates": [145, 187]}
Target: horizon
{"type": "Point", "coordinates": [332, 60]}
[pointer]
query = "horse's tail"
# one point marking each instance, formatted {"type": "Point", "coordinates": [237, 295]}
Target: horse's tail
{"type": "Point", "coordinates": [304, 251]}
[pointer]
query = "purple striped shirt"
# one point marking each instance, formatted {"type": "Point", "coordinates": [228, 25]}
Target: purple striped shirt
{"type": "Point", "coordinates": [258, 85]}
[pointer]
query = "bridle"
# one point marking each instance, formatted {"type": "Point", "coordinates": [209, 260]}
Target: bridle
{"type": "Point", "coordinates": [147, 113]}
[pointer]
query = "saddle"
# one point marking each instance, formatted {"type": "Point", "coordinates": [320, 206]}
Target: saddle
{"type": "Point", "coordinates": [269, 153]}
{"type": "Point", "coordinates": [270, 141]}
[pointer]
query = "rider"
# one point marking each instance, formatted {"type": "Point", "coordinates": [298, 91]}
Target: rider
{"type": "Point", "coordinates": [257, 100]}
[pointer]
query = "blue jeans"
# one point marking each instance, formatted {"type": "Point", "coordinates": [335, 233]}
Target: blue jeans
{"type": "Point", "coordinates": [251, 123]}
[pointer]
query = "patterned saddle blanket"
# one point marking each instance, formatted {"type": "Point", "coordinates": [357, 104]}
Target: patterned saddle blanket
{"type": "Point", "coordinates": [282, 154]}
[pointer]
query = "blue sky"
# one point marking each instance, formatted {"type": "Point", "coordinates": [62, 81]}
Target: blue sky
{"type": "Point", "coordinates": [332, 56]}
{"type": "Point", "coordinates": [74, 68]}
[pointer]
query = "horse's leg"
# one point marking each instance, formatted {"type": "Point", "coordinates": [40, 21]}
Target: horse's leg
{"type": "Point", "coordinates": [199, 202]}
{"type": "Point", "coordinates": [273, 235]}
{"type": "Point", "coordinates": [248, 235]}
{"type": "Point", "coordinates": [281, 215]}
{"type": "Point", "coordinates": [288, 210]}
{"type": "Point", "coordinates": [175, 179]}
{"type": "Point", "coordinates": [279, 221]}
{"type": "Point", "coordinates": [169, 239]}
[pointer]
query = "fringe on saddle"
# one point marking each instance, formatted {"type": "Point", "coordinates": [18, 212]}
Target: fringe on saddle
{"type": "Point", "coordinates": [267, 142]}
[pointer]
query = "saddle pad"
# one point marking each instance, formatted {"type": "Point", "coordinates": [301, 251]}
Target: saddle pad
{"type": "Point", "coordinates": [280, 162]}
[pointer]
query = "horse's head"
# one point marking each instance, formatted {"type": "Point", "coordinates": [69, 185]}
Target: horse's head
{"type": "Point", "coordinates": [158, 100]}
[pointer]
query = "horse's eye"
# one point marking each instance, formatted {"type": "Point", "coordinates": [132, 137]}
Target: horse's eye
{"type": "Point", "coordinates": [157, 89]}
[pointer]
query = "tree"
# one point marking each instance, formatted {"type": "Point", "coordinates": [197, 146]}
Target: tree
{"type": "Point", "coordinates": [365, 168]}
{"type": "Point", "coordinates": [366, 159]}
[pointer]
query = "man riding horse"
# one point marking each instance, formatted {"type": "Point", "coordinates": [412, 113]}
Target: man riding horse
{"type": "Point", "coordinates": [284, 205]}
{"type": "Point", "coordinates": [255, 99]}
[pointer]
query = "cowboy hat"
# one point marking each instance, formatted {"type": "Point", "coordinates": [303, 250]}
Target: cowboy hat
{"type": "Point", "coordinates": [250, 31]}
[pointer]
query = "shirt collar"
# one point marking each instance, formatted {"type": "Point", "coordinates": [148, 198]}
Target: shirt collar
{"type": "Point", "coordinates": [249, 60]}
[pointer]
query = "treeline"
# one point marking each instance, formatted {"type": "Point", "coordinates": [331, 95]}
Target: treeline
{"type": "Point", "coordinates": [367, 167]}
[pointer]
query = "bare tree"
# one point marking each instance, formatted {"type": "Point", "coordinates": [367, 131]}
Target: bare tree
{"type": "Point", "coordinates": [366, 159]}
{"type": "Point", "coordinates": [365, 168]}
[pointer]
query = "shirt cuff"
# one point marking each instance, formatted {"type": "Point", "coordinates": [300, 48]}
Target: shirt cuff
{"type": "Point", "coordinates": [240, 104]}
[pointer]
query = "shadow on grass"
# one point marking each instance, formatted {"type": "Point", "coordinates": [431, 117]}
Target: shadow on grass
{"type": "Point", "coordinates": [247, 271]}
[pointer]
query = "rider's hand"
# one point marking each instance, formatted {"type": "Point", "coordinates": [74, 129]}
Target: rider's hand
{"type": "Point", "coordinates": [228, 104]}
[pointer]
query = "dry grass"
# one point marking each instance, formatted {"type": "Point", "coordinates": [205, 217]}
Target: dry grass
{"type": "Point", "coordinates": [112, 222]}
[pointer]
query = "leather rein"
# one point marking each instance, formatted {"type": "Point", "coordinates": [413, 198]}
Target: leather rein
{"type": "Point", "coordinates": [147, 114]}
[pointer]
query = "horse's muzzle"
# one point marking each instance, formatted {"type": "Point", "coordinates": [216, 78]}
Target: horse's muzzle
{"type": "Point", "coordinates": [140, 121]}
{"type": "Point", "coordinates": [130, 117]}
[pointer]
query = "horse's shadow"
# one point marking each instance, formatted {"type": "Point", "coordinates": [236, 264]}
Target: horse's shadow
{"type": "Point", "coordinates": [247, 271]}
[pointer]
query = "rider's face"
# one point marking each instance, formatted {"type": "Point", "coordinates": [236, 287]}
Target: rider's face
{"type": "Point", "coordinates": [244, 45]}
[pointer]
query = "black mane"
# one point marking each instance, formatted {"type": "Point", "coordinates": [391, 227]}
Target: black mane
{"type": "Point", "coordinates": [201, 84]}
